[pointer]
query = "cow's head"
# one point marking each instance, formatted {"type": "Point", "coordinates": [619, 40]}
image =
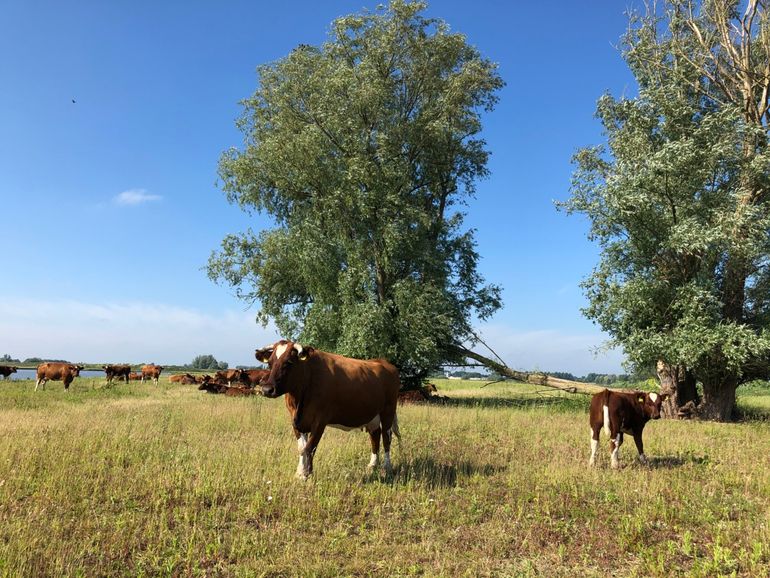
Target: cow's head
{"type": "Point", "coordinates": [280, 358]}
{"type": "Point", "coordinates": [651, 403]}
{"type": "Point", "coordinates": [13, 369]}
{"type": "Point", "coordinates": [76, 369]}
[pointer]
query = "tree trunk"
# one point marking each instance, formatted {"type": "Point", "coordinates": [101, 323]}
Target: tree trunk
{"type": "Point", "coordinates": [718, 400]}
{"type": "Point", "coordinates": [679, 383]}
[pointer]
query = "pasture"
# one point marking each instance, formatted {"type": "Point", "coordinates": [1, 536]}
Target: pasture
{"type": "Point", "coordinates": [144, 480]}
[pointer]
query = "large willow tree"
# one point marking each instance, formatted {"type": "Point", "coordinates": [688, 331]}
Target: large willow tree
{"type": "Point", "coordinates": [364, 151]}
{"type": "Point", "coordinates": [678, 200]}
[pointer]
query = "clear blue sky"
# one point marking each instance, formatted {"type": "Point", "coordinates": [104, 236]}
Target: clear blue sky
{"type": "Point", "coordinates": [110, 205]}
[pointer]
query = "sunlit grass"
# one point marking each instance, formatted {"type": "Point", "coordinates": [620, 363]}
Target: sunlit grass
{"type": "Point", "coordinates": [166, 480]}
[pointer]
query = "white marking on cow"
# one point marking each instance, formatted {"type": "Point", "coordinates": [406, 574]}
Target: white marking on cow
{"type": "Point", "coordinates": [280, 350]}
{"type": "Point", "coordinates": [594, 447]}
{"type": "Point", "coordinates": [606, 426]}
{"type": "Point", "coordinates": [653, 397]}
{"type": "Point", "coordinates": [615, 461]}
{"type": "Point", "coordinates": [299, 348]}
{"type": "Point", "coordinates": [369, 426]}
{"type": "Point", "coordinates": [301, 442]}
{"type": "Point", "coordinates": [643, 458]}
{"type": "Point", "coordinates": [373, 461]}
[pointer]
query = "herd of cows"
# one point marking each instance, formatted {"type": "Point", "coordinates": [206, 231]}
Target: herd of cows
{"type": "Point", "coordinates": [324, 389]}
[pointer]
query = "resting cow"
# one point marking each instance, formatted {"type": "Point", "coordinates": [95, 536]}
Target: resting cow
{"type": "Point", "coordinates": [51, 371]}
{"type": "Point", "coordinates": [151, 372]}
{"type": "Point", "coordinates": [323, 389]}
{"type": "Point", "coordinates": [619, 413]}
{"type": "Point", "coordinates": [119, 371]}
{"type": "Point", "coordinates": [7, 370]}
{"type": "Point", "coordinates": [228, 376]}
{"type": "Point", "coordinates": [252, 377]}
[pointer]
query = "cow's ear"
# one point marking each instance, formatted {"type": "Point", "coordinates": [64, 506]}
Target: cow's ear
{"type": "Point", "coordinates": [664, 396]}
{"type": "Point", "coordinates": [263, 355]}
{"type": "Point", "coordinates": [306, 351]}
{"type": "Point", "coordinates": [640, 398]}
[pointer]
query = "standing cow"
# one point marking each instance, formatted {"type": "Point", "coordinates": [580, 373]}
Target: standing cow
{"type": "Point", "coordinates": [323, 389]}
{"type": "Point", "coordinates": [7, 370]}
{"type": "Point", "coordinates": [119, 371]}
{"type": "Point", "coordinates": [151, 372]}
{"type": "Point", "coordinates": [51, 371]}
{"type": "Point", "coordinates": [622, 412]}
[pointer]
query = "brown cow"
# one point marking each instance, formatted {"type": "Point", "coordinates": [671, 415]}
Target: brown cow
{"type": "Point", "coordinates": [210, 385]}
{"type": "Point", "coordinates": [133, 376]}
{"type": "Point", "coordinates": [51, 371]}
{"type": "Point", "coordinates": [622, 412]}
{"type": "Point", "coordinates": [252, 377]}
{"type": "Point", "coordinates": [183, 378]}
{"type": "Point", "coordinates": [7, 370]}
{"type": "Point", "coordinates": [229, 375]}
{"type": "Point", "coordinates": [323, 389]}
{"type": "Point", "coordinates": [119, 371]}
{"type": "Point", "coordinates": [151, 372]}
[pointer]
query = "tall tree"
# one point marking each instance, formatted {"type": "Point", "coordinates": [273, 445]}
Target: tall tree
{"type": "Point", "coordinates": [364, 151]}
{"type": "Point", "coordinates": [678, 201]}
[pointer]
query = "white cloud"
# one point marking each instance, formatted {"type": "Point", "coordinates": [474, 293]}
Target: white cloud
{"type": "Point", "coordinates": [130, 332]}
{"type": "Point", "coordinates": [134, 197]}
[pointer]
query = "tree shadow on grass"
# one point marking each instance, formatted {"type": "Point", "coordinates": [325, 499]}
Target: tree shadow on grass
{"type": "Point", "coordinates": [550, 401]}
{"type": "Point", "coordinates": [434, 474]}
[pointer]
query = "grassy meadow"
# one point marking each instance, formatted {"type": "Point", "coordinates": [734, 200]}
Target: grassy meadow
{"type": "Point", "coordinates": [144, 480]}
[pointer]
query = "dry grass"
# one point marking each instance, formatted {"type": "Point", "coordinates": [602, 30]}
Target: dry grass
{"type": "Point", "coordinates": [141, 480]}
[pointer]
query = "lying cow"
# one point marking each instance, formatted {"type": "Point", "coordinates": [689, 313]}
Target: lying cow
{"type": "Point", "coordinates": [619, 413]}
{"type": "Point", "coordinates": [228, 376]}
{"type": "Point", "coordinates": [151, 372]}
{"type": "Point", "coordinates": [252, 377]}
{"type": "Point", "coordinates": [183, 378]}
{"type": "Point", "coordinates": [51, 371]}
{"type": "Point", "coordinates": [135, 376]}
{"type": "Point", "coordinates": [323, 389]}
{"type": "Point", "coordinates": [7, 370]}
{"type": "Point", "coordinates": [119, 371]}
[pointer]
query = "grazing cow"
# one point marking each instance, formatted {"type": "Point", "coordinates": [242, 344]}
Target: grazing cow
{"type": "Point", "coordinates": [151, 372]}
{"type": "Point", "coordinates": [119, 371]}
{"type": "Point", "coordinates": [323, 389]}
{"type": "Point", "coordinates": [7, 370]}
{"type": "Point", "coordinates": [133, 376]}
{"type": "Point", "coordinates": [252, 377]}
{"type": "Point", "coordinates": [622, 412]}
{"type": "Point", "coordinates": [229, 375]}
{"type": "Point", "coordinates": [51, 371]}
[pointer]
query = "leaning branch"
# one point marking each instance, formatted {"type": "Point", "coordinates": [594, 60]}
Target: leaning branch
{"type": "Point", "coordinates": [534, 378]}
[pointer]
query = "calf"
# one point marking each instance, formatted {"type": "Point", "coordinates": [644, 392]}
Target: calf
{"type": "Point", "coordinates": [622, 412]}
{"type": "Point", "coordinates": [133, 376]}
{"type": "Point", "coordinates": [6, 370]}
{"type": "Point", "coordinates": [50, 371]}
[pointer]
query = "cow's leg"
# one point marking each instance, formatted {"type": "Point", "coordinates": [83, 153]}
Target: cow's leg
{"type": "Point", "coordinates": [39, 382]}
{"type": "Point", "coordinates": [615, 443]}
{"type": "Point", "coordinates": [374, 437]}
{"type": "Point", "coordinates": [309, 451]}
{"type": "Point", "coordinates": [595, 430]}
{"type": "Point", "coordinates": [387, 437]}
{"type": "Point", "coordinates": [301, 443]}
{"type": "Point", "coordinates": [640, 447]}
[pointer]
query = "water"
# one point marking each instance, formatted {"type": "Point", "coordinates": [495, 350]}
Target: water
{"type": "Point", "coordinates": [32, 374]}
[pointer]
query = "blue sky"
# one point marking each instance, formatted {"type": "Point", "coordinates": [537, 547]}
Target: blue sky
{"type": "Point", "coordinates": [110, 205]}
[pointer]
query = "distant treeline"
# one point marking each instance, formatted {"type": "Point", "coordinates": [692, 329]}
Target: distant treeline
{"type": "Point", "coordinates": [600, 378]}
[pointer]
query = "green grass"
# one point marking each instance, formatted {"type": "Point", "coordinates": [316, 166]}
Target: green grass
{"type": "Point", "coordinates": [143, 480]}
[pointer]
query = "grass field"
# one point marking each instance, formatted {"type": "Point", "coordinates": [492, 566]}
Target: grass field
{"type": "Point", "coordinates": [143, 480]}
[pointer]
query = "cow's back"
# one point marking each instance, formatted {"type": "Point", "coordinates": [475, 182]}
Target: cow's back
{"type": "Point", "coordinates": [351, 392]}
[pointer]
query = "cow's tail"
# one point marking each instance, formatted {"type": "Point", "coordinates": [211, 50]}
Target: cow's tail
{"type": "Point", "coordinates": [606, 412]}
{"type": "Point", "coordinates": [394, 428]}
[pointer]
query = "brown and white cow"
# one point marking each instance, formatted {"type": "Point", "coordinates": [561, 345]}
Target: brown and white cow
{"type": "Point", "coordinates": [7, 370]}
{"type": "Point", "coordinates": [51, 371]}
{"type": "Point", "coordinates": [151, 372]}
{"type": "Point", "coordinates": [119, 371]}
{"type": "Point", "coordinates": [326, 390]}
{"type": "Point", "coordinates": [228, 376]}
{"type": "Point", "coordinates": [622, 412]}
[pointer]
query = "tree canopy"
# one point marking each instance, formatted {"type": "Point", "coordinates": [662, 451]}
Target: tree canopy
{"type": "Point", "coordinates": [364, 152]}
{"type": "Point", "coordinates": [207, 361]}
{"type": "Point", "coordinates": [677, 200]}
